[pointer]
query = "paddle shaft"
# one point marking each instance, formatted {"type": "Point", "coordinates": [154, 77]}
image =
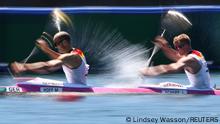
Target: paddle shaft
{"type": "Point", "coordinates": [155, 50]}
{"type": "Point", "coordinates": [47, 37]}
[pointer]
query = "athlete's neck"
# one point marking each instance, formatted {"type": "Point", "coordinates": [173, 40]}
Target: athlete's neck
{"type": "Point", "coordinates": [71, 50]}
{"type": "Point", "coordinates": [188, 51]}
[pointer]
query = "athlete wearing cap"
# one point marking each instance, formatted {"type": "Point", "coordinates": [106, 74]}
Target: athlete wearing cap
{"type": "Point", "coordinates": [185, 58]}
{"type": "Point", "coordinates": [71, 60]}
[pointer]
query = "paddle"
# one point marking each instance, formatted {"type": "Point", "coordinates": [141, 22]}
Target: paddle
{"type": "Point", "coordinates": [175, 22]}
{"type": "Point", "coordinates": [58, 18]}
{"type": "Point", "coordinates": [44, 36]}
{"type": "Point", "coordinates": [155, 50]}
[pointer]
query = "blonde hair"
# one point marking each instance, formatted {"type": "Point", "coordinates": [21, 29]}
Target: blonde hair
{"type": "Point", "coordinates": [182, 39]}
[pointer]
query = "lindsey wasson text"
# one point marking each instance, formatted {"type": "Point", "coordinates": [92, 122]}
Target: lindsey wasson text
{"type": "Point", "coordinates": [184, 120]}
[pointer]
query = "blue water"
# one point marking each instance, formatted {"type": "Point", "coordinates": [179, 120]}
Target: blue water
{"type": "Point", "coordinates": [109, 109]}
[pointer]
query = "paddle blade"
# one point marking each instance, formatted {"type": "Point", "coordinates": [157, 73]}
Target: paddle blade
{"type": "Point", "coordinates": [48, 38]}
{"type": "Point", "coordinates": [175, 22]}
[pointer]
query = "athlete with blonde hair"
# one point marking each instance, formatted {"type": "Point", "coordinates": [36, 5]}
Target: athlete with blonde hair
{"type": "Point", "coordinates": [184, 58]}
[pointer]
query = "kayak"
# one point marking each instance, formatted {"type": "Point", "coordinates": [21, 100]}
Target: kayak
{"type": "Point", "coordinates": [40, 85]}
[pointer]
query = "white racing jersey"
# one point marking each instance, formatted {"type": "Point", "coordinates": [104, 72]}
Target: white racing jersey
{"type": "Point", "coordinates": [200, 80]}
{"type": "Point", "coordinates": [77, 75]}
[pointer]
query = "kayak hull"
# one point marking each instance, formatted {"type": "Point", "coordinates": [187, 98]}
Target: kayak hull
{"type": "Point", "coordinates": [40, 85]}
{"type": "Point", "coordinates": [29, 88]}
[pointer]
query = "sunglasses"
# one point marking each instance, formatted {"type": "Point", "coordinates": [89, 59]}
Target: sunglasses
{"type": "Point", "coordinates": [58, 43]}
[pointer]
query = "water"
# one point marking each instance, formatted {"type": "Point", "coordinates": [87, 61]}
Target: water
{"type": "Point", "coordinates": [126, 58]}
{"type": "Point", "coordinates": [60, 19]}
{"type": "Point", "coordinates": [104, 46]}
{"type": "Point", "coordinates": [107, 109]}
{"type": "Point", "coordinates": [106, 49]}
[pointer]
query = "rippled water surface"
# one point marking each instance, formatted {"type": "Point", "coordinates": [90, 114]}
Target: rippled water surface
{"type": "Point", "coordinates": [109, 109]}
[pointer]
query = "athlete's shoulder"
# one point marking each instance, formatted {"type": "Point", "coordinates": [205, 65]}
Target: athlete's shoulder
{"type": "Point", "coordinates": [76, 51]}
{"type": "Point", "coordinates": [68, 56]}
{"type": "Point", "coordinates": [187, 59]}
{"type": "Point", "coordinates": [197, 54]}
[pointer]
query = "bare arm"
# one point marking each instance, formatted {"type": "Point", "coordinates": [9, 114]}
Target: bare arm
{"type": "Point", "coordinates": [162, 69]}
{"type": "Point", "coordinates": [38, 67]}
{"type": "Point", "coordinates": [70, 60]}
{"type": "Point", "coordinates": [165, 69]}
{"type": "Point", "coordinates": [44, 67]}
{"type": "Point", "coordinates": [171, 53]}
{"type": "Point", "coordinates": [46, 49]}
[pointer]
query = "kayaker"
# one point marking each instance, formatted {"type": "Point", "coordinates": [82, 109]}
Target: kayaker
{"type": "Point", "coordinates": [184, 58]}
{"type": "Point", "coordinates": [72, 60]}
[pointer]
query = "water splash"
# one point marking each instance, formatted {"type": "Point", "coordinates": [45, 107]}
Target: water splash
{"type": "Point", "coordinates": [60, 19]}
{"type": "Point", "coordinates": [57, 22]}
{"type": "Point", "coordinates": [108, 51]}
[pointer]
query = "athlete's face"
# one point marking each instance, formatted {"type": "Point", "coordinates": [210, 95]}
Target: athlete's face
{"type": "Point", "coordinates": [59, 42]}
{"type": "Point", "coordinates": [181, 48]}
{"type": "Point", "coordinates": [62, 45]}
